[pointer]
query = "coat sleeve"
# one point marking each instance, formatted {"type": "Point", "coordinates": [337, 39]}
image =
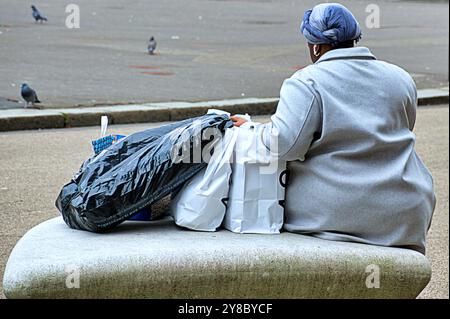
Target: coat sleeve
{"type": "Point", "coordinates": [293, 127]}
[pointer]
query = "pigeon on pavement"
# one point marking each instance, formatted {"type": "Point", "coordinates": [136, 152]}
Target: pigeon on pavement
{"type": "Point", "coordinates": [151, 46]}
{"type": "Point", "coordinates": [29, 95]}
{"type": "Point", "coordinates": [37, 15]}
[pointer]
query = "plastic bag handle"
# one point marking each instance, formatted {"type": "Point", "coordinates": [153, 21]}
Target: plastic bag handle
{"type": "Point", "coordinates": [104, 126]}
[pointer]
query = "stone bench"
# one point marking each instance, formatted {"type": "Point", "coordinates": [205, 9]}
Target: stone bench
{"type": "Point", "coordinates": [159, 260]}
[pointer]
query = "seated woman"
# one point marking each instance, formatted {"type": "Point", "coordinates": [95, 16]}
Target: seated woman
{"type": "Point", "coordinates": [345, 125]}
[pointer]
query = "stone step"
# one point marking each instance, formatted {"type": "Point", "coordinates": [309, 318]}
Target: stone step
{"type": "Point", "coordinates": [27, 119]}
{"type": "Point", "coordinates": [158, 260]}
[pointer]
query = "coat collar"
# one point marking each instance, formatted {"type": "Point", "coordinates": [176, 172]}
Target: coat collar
{"type": "Point", "coordinates": [349, 53]}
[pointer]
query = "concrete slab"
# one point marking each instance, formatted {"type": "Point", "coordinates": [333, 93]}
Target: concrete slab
{"type": "Point", "coordinates": [433, 96]}
{"type": "Point", "coordinates": [21, 119]}
{"type": "Point", "coordinates": [18, 119]}
{"type": "Point", "coordinates": [27, 113]}
{"type": "Point", "coordinates": [28, 119]}
{"type": "Point", "coordinates": [158, 260]}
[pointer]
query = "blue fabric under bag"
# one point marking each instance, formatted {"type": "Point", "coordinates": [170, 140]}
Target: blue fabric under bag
{"type": "Point", "coordinates": [105, 142]}
{"type": "Point", "coordinates": [144, 214]}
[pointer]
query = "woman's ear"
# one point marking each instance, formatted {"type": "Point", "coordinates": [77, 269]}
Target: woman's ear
{"type": "Point", "coordinates": [316, 50]}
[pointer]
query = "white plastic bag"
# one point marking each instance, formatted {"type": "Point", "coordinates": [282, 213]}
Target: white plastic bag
{"type": "Point", "coordinates": [256, 196]}
{"type": "Point", "coordinates": [201, 203]}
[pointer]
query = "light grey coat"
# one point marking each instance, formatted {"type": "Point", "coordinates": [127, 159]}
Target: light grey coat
{"type": "Point", "coordinates": [345, 126]}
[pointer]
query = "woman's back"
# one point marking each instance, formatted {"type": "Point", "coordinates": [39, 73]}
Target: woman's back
{"type": "Point", "coordinates": [361, 179]}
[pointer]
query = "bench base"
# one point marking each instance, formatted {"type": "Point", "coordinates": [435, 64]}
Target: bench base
{"type": "Point", "coordinates": [158, 260]}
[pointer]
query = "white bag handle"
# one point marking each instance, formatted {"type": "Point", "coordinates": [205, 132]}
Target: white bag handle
{"type": "Point", "coordinates": [104, 126]}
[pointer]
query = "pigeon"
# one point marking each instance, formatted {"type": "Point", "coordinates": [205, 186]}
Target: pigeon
{"type": "Point", "coordinates": [151, 46]}
{"type": "Point", "coordinates": [37, 15]}
{"type": "Point", "coordinates": [29, 95]}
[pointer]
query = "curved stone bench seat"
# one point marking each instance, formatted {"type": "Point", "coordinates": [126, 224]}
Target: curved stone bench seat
{"type": "Point", "coordinates": [159, 260]}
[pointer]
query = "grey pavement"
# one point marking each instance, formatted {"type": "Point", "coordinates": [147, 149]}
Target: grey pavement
{"type": "Point", "coordinates": [34, 165]}
{"type": "Point", "coordinates": [207, 50]}
{"type": "Point", "coordinates": [6, 104]}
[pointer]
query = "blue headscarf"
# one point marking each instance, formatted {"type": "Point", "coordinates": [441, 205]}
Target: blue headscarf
{"type": "Point", "coordinates": [330, 23]}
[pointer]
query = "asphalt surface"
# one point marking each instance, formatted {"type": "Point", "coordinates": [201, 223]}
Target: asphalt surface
{"type": "Point", "coordinates": [34, 165]}
{"type": "Point", "coordinates": [207, 49]}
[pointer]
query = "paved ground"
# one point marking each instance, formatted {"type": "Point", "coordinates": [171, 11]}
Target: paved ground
{"type": "Point", "coordinates": [207, 49]}
{"type": "Point", "coordinates": [35, 164]}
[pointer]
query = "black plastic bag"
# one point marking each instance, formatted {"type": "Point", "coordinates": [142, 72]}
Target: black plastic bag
{"type": "Point", "coordinates": [136, 172]}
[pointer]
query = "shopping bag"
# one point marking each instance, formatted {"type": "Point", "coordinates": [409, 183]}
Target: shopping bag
{"type": "Point", "coordinates": [201, 203]}
{"type": "Point", "coordinates": [257, 190]}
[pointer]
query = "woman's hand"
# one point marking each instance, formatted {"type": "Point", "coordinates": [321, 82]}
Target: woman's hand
{"type": "Point", "coordinates": [237, 121]}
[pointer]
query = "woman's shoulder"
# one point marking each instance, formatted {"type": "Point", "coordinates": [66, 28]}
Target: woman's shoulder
{"type": "Point", "coordinates": [304, 72]}
{"type": "Point", "coordinates": [316, 72]}
{"type": "Point", "coordinates": [311, 73]}
{"type": "Point", "coordinates": [398, 73]}
{"type": "Point", "coordinates": [394, 68]}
